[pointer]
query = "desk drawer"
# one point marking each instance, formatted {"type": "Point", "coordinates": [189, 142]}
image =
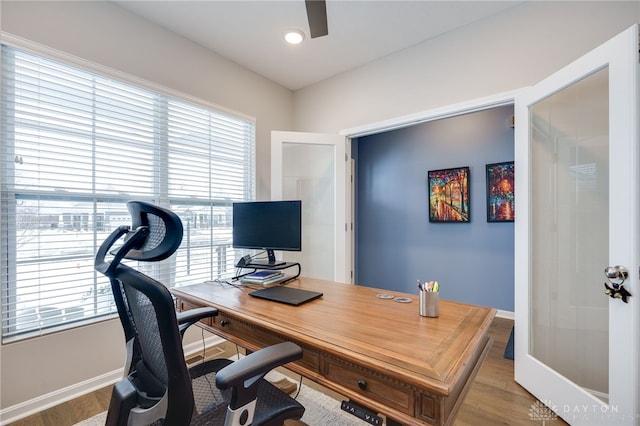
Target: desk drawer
{"type": "Point", "coordinates": [243, 333]}
{"type": "Point", "coordinates": [250, 336]}
{"type": "Point", "coordinates": [253, 337]}
{"type": "Point", "coordinates": [371, 385]}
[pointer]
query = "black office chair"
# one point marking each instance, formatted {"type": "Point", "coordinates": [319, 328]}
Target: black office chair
{"type": "Point", "coordinates": [158, 388]}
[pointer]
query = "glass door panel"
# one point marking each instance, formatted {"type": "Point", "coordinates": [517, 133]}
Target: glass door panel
{"type": "Point", "coordinates": [569, 134]}
{"type": "Point", "coordinates": [311, 167]}
{"type": "Point", "coordinates": [308, 175]}
{"type": "Point", "coordinates": [577, 154]}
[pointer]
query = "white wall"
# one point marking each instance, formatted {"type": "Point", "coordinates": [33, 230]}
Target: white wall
{"type": "Point", "coordinates": [500, 54]}
{"type": "Point", "coordinates": [104, 33]}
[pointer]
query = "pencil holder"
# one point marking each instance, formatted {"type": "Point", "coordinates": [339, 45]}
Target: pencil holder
{"type": "Point", "coordinates": [429, 303]}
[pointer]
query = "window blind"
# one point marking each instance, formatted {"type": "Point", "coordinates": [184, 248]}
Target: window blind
{"type": "Point", "coordinates": [76, 146]}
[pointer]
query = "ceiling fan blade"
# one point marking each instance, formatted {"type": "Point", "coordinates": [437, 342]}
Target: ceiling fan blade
{"type": "Point", "coordinates": [317, 16]}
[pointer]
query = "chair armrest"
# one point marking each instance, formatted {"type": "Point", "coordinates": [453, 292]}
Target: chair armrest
{"type": "Point", "coordinates": [253, 367]}
{"type": "Point", "coordinates": [187, 318]}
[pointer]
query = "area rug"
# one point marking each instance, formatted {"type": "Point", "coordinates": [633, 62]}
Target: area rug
{"type": "Point", "coordinates": [320, 409]}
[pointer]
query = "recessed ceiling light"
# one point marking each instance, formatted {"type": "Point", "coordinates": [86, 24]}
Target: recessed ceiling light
{"type": "Point", "coordinates": [294, 36]}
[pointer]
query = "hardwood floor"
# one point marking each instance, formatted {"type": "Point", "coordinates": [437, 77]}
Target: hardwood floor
{"type": "Point", "coordinates": [70, 412]}
{"type": "Point", "coordinates": [494, 398]}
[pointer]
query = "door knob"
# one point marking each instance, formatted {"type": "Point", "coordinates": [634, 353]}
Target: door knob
{"type": "Point", "coordinates": [616, 275]}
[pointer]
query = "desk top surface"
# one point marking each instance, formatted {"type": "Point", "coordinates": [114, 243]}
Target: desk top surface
{"type": "Point", "coordinates": [352, 321]}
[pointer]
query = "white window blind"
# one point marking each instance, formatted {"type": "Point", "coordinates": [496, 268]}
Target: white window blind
{"type": "Point", "coordinates": [76, 146]}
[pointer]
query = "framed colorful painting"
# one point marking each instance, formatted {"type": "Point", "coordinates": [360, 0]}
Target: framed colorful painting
{"type": "Point", "coordinates": [449, 195]}
{"type": "Point", "coordinates": [500, 195]}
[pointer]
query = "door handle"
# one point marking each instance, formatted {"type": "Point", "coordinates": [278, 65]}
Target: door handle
{"type": "Point", "coordinates": [616, 275]}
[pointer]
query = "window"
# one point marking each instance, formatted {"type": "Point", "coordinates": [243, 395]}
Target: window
{"type": "Point", "coordinates": [76, 146]}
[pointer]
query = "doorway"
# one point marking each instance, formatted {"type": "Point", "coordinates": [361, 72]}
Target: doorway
{"type": "Point", "coordinates": [396, 244]}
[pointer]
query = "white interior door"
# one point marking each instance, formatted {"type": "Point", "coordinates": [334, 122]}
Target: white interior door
{"type": "Point", "coordinates": [312, 167]}
{"type": "Point", "coordinates": [576, 349]}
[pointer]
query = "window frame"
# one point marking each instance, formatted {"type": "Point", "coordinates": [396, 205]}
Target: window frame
{"type": "Point", "coordinates": [161, 195]}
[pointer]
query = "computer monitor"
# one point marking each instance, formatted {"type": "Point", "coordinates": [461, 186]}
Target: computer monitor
{"type": "Point", "coordinates": [268, 225]}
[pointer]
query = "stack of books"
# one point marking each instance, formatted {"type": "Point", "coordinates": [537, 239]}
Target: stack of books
{"type": "Point", "coordinates": [263, 277]}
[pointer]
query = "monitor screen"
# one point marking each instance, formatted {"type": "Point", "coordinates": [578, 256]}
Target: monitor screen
{"type": "Point", "coordinates": [268, 225]}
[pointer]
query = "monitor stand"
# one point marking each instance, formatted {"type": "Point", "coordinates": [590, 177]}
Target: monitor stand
{"type": "Point", "coordinates": [272, 264]}
{"type": "Point", "coordinates": [271, 261]}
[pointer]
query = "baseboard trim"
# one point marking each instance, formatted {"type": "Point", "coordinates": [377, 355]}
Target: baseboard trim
{"type": "Point", "coordinates": [506, 314]}
{"type": "Point", "coordinates": [51, 399]}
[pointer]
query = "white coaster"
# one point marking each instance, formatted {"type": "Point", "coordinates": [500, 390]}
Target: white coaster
{"type": "Point", "coordinates": [384, 296]}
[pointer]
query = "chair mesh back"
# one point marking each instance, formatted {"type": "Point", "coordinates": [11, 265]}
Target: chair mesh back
{"type": "Point", "coordinates": [159, 363]}
{"type": "Point", "coordinates": [146, 324]}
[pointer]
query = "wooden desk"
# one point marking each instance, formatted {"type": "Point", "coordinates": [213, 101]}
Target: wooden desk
{"type": "Point", "coordinates": [377, 352]}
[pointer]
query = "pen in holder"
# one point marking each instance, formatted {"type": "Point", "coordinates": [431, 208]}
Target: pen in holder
{"type": "Point", "coordinates": [429, 303]}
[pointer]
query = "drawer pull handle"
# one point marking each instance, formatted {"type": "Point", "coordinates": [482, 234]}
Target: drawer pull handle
{"type": "Point", "coordinates": [224, 322]}
{"type": "Point", "coordinates": [362, 384]}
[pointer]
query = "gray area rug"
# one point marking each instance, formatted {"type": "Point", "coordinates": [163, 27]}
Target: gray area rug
{"type": "Point", "coordinates": [320, 409]}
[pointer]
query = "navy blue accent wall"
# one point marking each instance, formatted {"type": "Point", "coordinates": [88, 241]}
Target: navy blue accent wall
{"type": "Point", "coordinates": [395, 243]}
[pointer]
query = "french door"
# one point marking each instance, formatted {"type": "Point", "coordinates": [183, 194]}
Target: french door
{"type": "Point", "coordinates": [312, 167]}
{"type": "Point", "coordinates": [577, 180]}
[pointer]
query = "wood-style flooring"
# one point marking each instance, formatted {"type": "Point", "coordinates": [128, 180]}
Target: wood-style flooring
{"type": "Point", "coordinates": [494, 398]}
